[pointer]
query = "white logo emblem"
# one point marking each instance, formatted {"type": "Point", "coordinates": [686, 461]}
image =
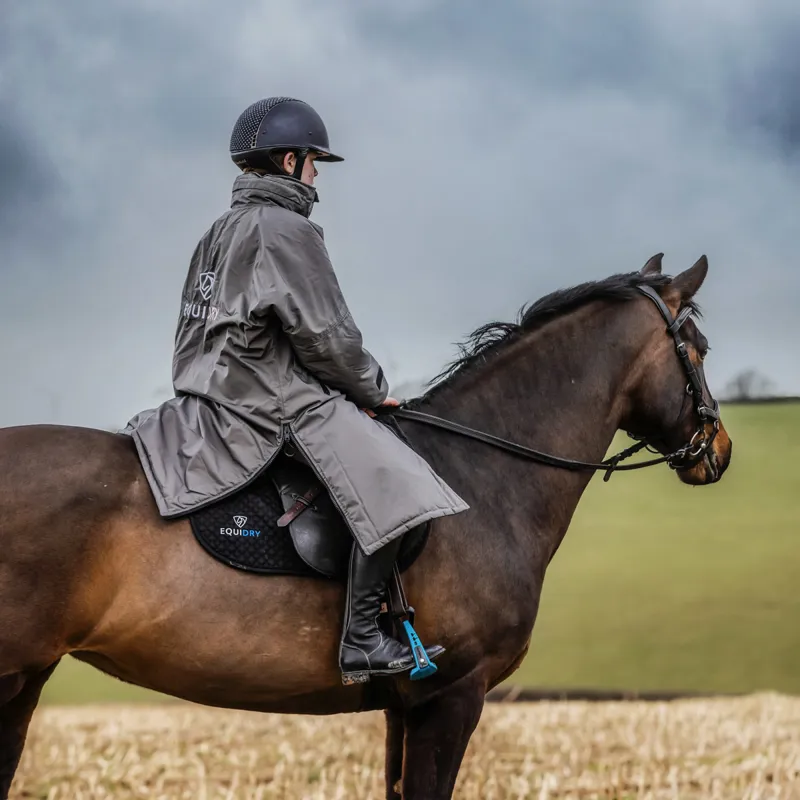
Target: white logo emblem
{"type": "Point", "coordinates": [240, 522]}
{"type": "Point", "coordinates": [206, 284]}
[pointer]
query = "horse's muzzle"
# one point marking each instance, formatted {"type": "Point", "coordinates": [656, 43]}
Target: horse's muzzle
{"type": "Point", "coordinates": [712, 466]}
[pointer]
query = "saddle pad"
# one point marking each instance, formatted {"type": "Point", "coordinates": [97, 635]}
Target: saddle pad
{"type": "Point", "coordinates": [241, 531]}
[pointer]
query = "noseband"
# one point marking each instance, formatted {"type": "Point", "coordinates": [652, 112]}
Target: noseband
{"type": "Point", "coordinates": [682, 458]}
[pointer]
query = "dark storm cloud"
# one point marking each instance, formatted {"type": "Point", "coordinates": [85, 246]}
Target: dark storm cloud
{"type": "Point", "coordinates": [20, 173]}
{"type": "Point", "coordinates": [494, 153]}
{"type": "Point", "coordinates": [103, 84]}
{"type": "Point", "coordinates": [740, 64]}
{"type": "Point", "coordinates": [682, 116]}
{"type": "Point", "coordinates": [560, 44]}
{"type": "Point", "coordinates": [768, 97]}
{"type": "Point", "coordinates": [29, 188]}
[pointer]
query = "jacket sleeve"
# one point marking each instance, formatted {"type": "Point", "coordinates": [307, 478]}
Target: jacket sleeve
{"type": "Point", "coordinates": [296, 274]}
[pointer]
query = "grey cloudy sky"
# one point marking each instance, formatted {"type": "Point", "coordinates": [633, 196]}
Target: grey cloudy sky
{"type": "Point", "coordinates": [494, 153]}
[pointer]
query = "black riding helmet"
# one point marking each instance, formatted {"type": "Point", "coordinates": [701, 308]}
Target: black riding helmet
{"type": "Point", "coordinates": [279, 123]}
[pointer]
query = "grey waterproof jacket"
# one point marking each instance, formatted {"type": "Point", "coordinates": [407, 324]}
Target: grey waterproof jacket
{"type": "Point", "coordinates": [266, 350]}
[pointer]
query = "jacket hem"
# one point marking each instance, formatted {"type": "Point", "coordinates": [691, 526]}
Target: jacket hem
{"type": "Point", "coordinates": [405, 527]}
{"type": "Point", "coordinates": [175, 510]}
{"type": "Point", "coordinates": [375, 540]}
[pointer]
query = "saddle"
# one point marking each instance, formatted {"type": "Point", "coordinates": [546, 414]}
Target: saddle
{"type": "Point", "coordinates": [285, 523]}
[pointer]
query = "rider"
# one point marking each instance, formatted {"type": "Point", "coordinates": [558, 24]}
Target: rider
{"type": "Point", "coordinates": [266, 353]}
{"type": "Point", "coordinates": [289, 137]}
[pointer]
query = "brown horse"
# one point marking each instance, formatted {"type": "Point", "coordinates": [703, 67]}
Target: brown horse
{"type": "Point", "coordinates": [88, 568]}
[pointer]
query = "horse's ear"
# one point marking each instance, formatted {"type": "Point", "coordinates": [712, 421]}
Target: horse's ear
{"type": "Point", "coordinates": [653, 265]}
{"type": "Point", "coordinates": [686, 285]}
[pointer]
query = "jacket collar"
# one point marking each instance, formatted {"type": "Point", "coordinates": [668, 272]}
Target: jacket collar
{"type": "Point", "coordinates": [287, 192]}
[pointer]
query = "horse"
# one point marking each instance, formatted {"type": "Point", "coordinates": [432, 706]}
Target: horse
{"type": "Point", "coordinates": [89, 568]}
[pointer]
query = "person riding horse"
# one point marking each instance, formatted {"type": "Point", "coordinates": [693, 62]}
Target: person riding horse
{"type": "Point", "coordinates": [268, 356]}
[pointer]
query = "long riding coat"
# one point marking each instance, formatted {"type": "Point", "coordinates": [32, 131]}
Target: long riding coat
{"type": "Point", "coordinates": [266, 350]}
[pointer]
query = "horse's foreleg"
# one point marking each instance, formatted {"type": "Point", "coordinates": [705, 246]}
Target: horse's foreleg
{"type": "Point", "coordinates": [394, 753]}
{"type": "Point", "coordinates": [436, 737]}
{"type": "Point", "coordinates": [19, 695]}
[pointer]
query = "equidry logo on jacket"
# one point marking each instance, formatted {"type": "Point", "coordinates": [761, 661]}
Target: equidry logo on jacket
{"type": "Point", "coordinates": [239, 521]}
{"type": "Point", "coordinates": [202, 311]}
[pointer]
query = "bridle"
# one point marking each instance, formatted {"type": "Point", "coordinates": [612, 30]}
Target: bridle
{"type": "Point", "coordinates": [699, 444]}
{"type": "Point", "coordinates": [682, 458]}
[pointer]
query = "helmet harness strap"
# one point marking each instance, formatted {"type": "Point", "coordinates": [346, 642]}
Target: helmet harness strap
{"type": "Point", "coordinates": [300, 156]}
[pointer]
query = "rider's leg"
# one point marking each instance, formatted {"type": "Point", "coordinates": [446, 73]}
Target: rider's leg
{"type": "Point", "coordinates": [365, 649]}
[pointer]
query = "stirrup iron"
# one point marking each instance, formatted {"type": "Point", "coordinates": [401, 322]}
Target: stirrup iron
{"type": "Point", "coordinates": [424, 666]}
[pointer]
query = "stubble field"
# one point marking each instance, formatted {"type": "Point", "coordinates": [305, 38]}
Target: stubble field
{"type": "Point", "coordinates": [746, 748]}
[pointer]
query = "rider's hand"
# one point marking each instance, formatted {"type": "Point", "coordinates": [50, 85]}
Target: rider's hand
{"type": "Point", "coordinates": [389, 401]}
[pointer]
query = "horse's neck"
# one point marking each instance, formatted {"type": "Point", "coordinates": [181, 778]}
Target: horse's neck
{"type": "Point", "coordinates": [557, 390]}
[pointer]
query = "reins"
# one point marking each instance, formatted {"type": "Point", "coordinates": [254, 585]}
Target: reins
{"type": "Point", "coordinates": [610, 465]}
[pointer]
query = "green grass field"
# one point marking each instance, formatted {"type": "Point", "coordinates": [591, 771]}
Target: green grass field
{"type": "Point", "coordinates": [657, 585]}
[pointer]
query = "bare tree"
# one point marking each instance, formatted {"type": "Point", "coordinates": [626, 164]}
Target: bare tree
{"type": "Point", "coordinates": [749, 384]}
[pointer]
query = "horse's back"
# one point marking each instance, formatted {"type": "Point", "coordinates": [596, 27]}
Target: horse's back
{"type": "Point", "coordinates": [43, 448]}
{"type": "Point", "coordinates": [49, 471]}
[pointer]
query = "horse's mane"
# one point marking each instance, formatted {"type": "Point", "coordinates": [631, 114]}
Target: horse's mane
{"type": "Point", "coordinates": [491, 338]}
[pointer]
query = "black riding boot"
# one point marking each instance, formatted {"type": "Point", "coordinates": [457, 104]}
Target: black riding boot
{"type": "Point", "coordinates": [365, 649]}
